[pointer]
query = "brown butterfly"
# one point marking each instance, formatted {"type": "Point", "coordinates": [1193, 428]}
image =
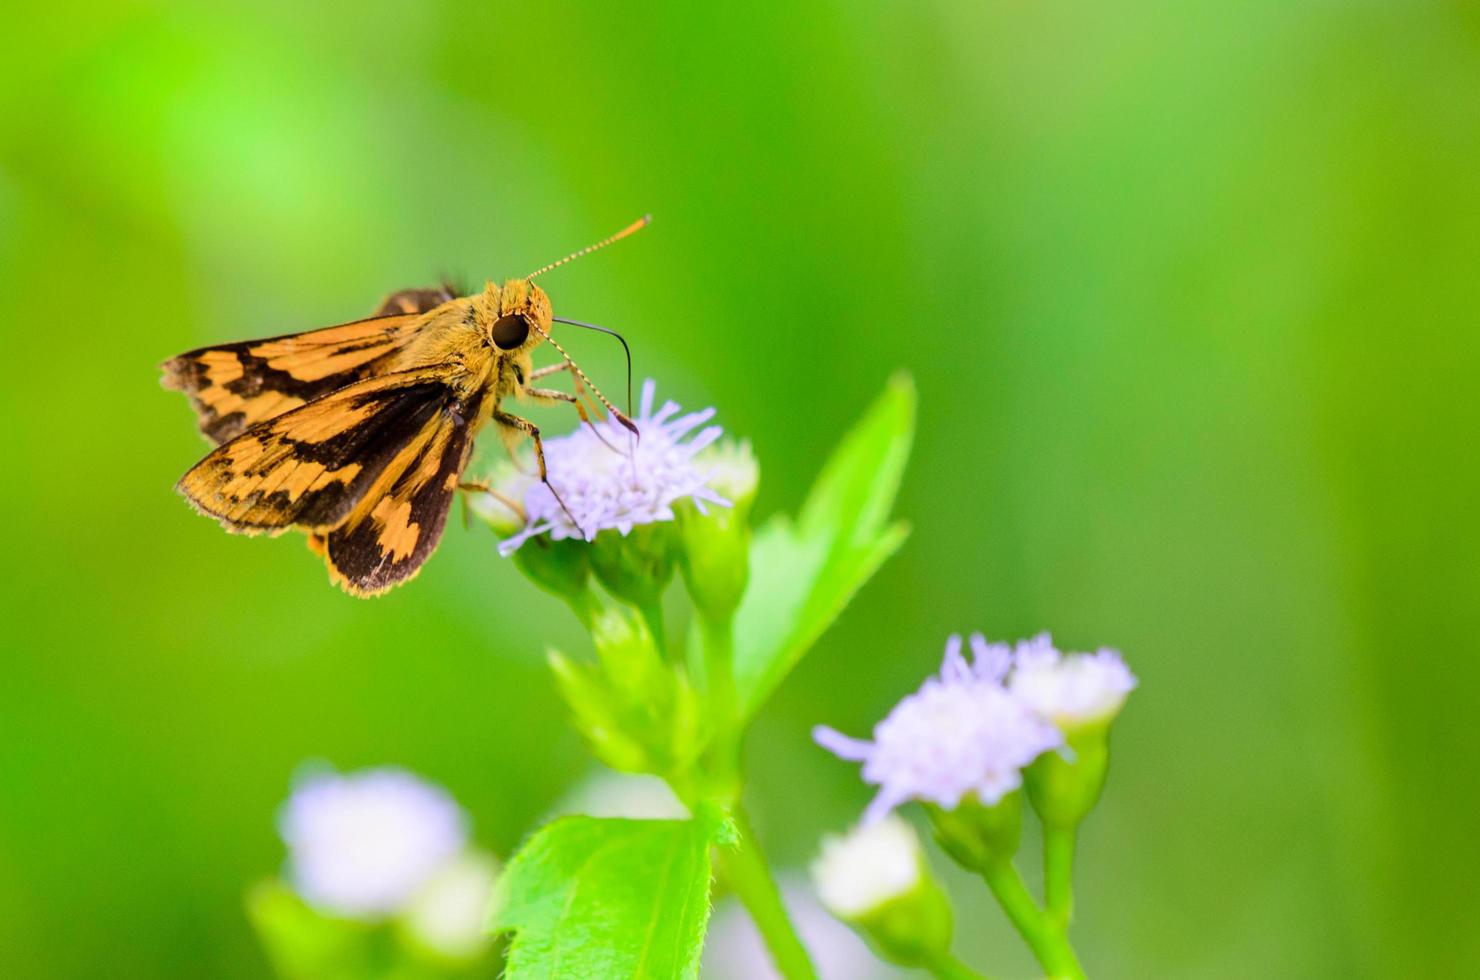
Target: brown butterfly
{"type": "Point", "coordinates": [359, 433]}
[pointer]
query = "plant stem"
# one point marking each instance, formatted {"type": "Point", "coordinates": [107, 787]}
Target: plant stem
{"type": "Point", "coordinates": [1058, 873]}
{"type": "Point", "coordinates": [744, 867]}
{"type": "Point", "coordinates": [724, 706]}
{"type": "Point", "coordinates": [1044, 937]}
{"type": "Point", "coordinates": [652, 615]}
{"type": "Point", "coordinates": [948, 967]}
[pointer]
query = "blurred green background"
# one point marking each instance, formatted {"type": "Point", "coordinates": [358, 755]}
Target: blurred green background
{"type": "Point", "coordinates": [1189, 289]}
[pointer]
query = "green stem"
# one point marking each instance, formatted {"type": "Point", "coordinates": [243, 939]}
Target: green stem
{"type": "Point", "coordinates": [724, 705]}
{"type": "Point", "coordinates": [744, 867]}
{"type": "Point", "coordinates": [1058, 873]}
{"type": "Point", "coordinates": [1045, 938]}
{"type": "Point", "coordinates": [948, 967]}
{"type": "Point", "coordinates": [652, 615]}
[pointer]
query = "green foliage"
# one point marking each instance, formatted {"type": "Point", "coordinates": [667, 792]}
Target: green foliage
{"type": "Point", "coordinates": [587, 897]}
{"type": "Point", "coordinates": [804, 573]}
{"type": "Point", "coordinates": [637, 712]}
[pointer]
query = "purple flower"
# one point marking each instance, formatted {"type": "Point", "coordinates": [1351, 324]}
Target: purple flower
{"type": "Point", "coordinates": [1069, 689]}
{"type": "Point", "coordinates": [960, 733]}
{"type": "Point", "coordinates": [361, 844]}
{"type": "Point", "coordinates": [621, 482]}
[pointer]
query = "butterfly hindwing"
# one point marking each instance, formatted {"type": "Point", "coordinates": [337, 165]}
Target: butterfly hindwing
{"type": "Point", "coordinates": [234, 386]}
{"type": "Point", "coordinates": [398, 523]}
{"type": "Point", "coordinates": [313, 465]}
{"type": "Point", "coordinates": [418, 300]}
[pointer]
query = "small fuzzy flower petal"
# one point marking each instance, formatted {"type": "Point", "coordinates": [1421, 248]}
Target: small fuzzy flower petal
{"type": "Point", "coordinates": [360, 845]}
{"type": "Point", "coordinates": [448, 913]}
{"type": "Point", "coordinates": [608, 478]}
{"type": "Point", "coordinates": [1069, 689]}
{"type": "Point", "coordinates": [958, 734]}
{"type": "Point", "coordinates": [870, 865]}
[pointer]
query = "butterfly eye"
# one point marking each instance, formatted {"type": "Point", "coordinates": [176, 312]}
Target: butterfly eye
{"type": "Point", "coordinates": [510, 331]}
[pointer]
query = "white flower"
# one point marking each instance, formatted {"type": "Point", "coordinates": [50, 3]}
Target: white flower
{"type": "Point", "coordinates": [959, 733]}
{"type": "Point", "coordinates": [610, 479]}
{"type": "Point", "coordinates": [448, 913]}
{"type": "Point", "coordinates": [361, 844]}
{"type": "Point", "coordinates": [870, 865]}
{"type": "Point", "coordinates": [1069, 689]}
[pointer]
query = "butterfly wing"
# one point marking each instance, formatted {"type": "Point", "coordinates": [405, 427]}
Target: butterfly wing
{"type": "Point", "coordinates": [312, 465]}
{"type": "Point", "coordinates": [397, 524]}
{"type": "Point", "coordinates": [235, 386]}
{"type": "Point", "coordinates": [419, 300]}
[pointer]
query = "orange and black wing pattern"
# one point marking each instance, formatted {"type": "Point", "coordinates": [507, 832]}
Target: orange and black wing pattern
{"type": "Point", "coordinates": [234, 386]}
{"type": "Point", "coordinates": [397, 524]}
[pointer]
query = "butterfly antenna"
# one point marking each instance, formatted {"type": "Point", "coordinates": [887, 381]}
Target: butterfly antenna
{"type": "Point", "coordinates": [620, 339]}
{"type": "Point", "coordinates": [615, 412]}
{"type": "Point", "coordinates": [636, 226]}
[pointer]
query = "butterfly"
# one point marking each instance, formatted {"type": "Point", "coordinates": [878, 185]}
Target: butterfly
{"type": "Point", "coordinates": [359, 433]}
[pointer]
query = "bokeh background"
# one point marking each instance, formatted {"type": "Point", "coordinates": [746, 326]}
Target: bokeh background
{"type": "Point", "coordinates": [1189, 290]}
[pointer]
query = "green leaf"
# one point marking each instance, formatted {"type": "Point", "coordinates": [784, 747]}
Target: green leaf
{"type": "Point", "coordinates": [803, 574]}
{"type": "Point", "coordinates": [586, 897]}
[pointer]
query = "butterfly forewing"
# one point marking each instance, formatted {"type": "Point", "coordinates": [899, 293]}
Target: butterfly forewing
{"type": "Point", "coordinates": [313, 465]}
{"type": "Point", "coordinates": [234, 386]}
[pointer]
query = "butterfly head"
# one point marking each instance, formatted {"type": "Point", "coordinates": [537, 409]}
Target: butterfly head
{"type": "Point", "coordinates": [518, 315]}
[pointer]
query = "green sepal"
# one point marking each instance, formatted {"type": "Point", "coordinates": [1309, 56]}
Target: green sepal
{"type": "Point", "coordinates": [975, 835]}
{"type": "Point", "coordinates": [913, 929]}
{"type": "Point", "coordinates": [636, 567]}
{"type": "Point", "coordinates": [1065, 785]}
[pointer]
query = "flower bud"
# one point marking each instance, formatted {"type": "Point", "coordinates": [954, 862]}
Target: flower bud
{"type": "Point", "coordinates": [1081, 694]}
{"type": "Point", "coordinates": [715, 557]}
{"type": "Point", "coordinates": [875, 879]}
{"type": "Point", "coordinates": [445, 919]}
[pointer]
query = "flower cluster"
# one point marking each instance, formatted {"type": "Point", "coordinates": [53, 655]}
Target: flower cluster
{"type": "Point", "coordinates": [973, 728]}
{"type": "Point", "coordinates": [388, 849]}
{"type": "Point", "coordinates": [606, 478]}
{"type": "Point", "coordinates": [360, 845]}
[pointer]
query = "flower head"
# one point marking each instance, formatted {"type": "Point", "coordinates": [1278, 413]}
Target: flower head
{"type": "Point", "coordinates": [1069, 689]}
{"type": "Point", "coordinates": [872, 864]}
{"type": "Point", "coordinates": [608, 478]}
{"type": "Point", "coordinates": [448, 912]}
{"type": "Point", "coordinates": [960, 733]}
{"type": "Point", "coordinates": [361, 844]}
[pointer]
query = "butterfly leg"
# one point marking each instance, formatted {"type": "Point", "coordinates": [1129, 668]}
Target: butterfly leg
{"type": "Point", "coordinates": [515, 424]}
{"type": "Point", "coordinates": [483, 486]}
{"type": "Point", "coordinates": [550, 395]}
{"type": "Point", "coordinates": [581, 392]}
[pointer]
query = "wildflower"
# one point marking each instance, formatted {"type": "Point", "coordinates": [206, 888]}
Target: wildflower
{"type": "Point", "coordinates": [1069, 689]}
{"type": "Point", "coordinates": [361, 844]}
{"type": "Point", "coordinates": [873, 864]}
{"type": "Point", "coordinates": [447, 914]}
{"type": "Point", "coordinates": [608, 478]}
{"type": "Point", "coordinates": [960, 733]}
{"type": "Point", "coordinates": [875, 879]}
